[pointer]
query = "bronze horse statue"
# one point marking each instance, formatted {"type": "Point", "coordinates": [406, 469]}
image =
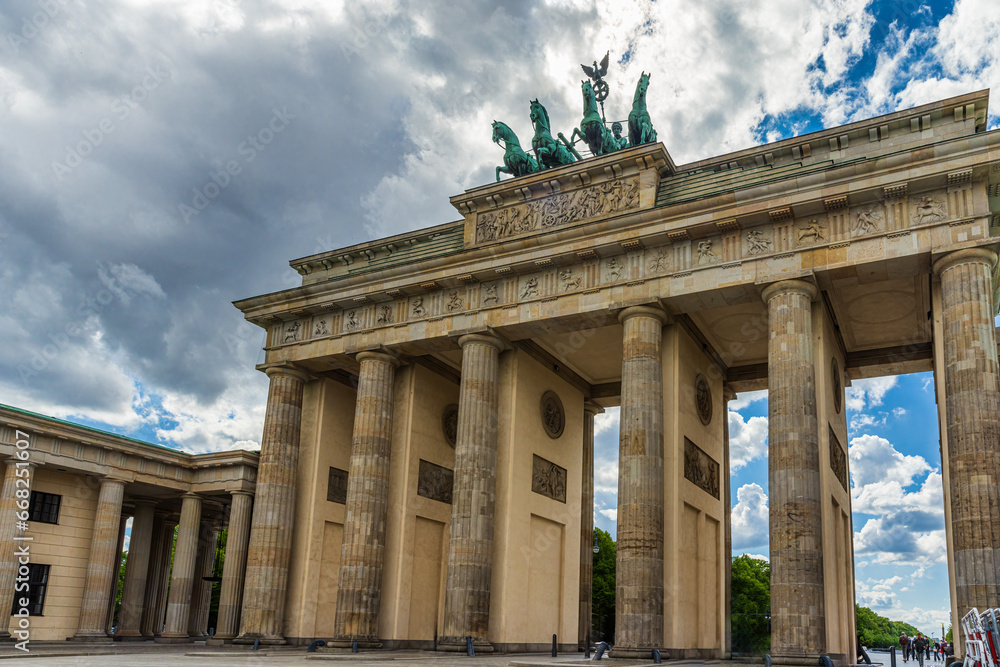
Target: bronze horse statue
{"type": "Point", "coordinates": [515, 161]}
{"type": "Point", "coordinates": [551, 153]}
{"type": "Point", "coordinates": [592, 129]}
{"type": "Point", "coordinates": [640, 127]}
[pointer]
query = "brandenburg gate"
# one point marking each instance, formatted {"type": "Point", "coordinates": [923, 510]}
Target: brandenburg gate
{"type": "Point", "coordinates": [426, 467]}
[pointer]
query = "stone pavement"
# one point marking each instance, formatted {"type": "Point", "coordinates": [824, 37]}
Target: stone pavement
{"type": "Point", "coordinates": [149, 655]}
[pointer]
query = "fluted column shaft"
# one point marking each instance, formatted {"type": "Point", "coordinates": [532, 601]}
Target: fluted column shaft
{"type": "Point", "coordinates": [590, 410]}
{"type": "Point", "coordinates": [136, 570]}
{"type": "Point", "coordinates": [16, 489]}
{"type": "Point", "coordinates": [798, 618]}
{"type": "Point", "coordinates": [147, 625]}
{"type": "Point", "coordinates": [360, 584]}
{"type": "Point", "coordinates": [160, 613]}
{"type": "Point", "coordinates": [972, 408]}
{"type": "Point", "coordinates": [470, 544]}
{"type": "Point", "coordinates": [234, 566]}
{"type": "Point", "coordinates": [639, 562]}
{"type": "Point", "coordinates": [102, 561]}
{"type": "Point", "coordinates": [182, 577]}
{"type": "Point", "coordinates": [727, 653]}
{"type": "Point", "coordinates": [274, 512]}
{"type": "Point", "coordinates": [201, 590]}
{"type": "Point", "coordinates": [109, 615]}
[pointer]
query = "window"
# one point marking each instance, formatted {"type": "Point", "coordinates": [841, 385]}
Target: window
{"type": "Point", "coordinates": [44, 507]}
{"type": "Point", "coordinates": [34, 594]}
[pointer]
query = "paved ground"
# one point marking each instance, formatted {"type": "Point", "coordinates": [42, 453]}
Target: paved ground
{"type": "Point", "coordinates": [149, 655]}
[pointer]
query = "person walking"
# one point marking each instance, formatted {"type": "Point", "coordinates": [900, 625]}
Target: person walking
{"type": "Point", "coordinates": [937, 651]}
{"type": "Point", "coordinates": [904, 645]}
{"type": "Point", "coordinates": [920, 647]}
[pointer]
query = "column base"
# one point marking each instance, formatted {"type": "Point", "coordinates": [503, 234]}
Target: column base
{"type": "Point", "coordinates": [457, 645]}
{"type": "Point", "coordinates": [348, 642]}
{"type": "Point", "coordinates": [220, 640]}
{"type": "Point", "coordinates": [798, 659]}
{"type": "Point", "coordinates": [173, 639]}
{"type": "Point", "coordinates": [91, 638]}
{"type": "Point", "coordinates": [273, 640]}
{"type": "Point", "coordinates": [636, 652]}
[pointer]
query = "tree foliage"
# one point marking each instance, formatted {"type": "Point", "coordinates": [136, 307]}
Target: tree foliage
{"type": "Point", "coordinates": [751, 600]}
{"type": "Point", "coordinates": [876, 631]}
{"type": "Point", "coordinates": [604, 587]}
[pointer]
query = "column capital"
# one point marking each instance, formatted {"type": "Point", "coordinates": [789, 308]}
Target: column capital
{"type": "Point", "coordinates": [191, 494]}
{"type": "Point", "coordinates": [654, 312]}
{"type": "Point", "coordinates": [484, 338]}
{"type": "Point", "coordinates": [289, 371]}
{"type": "Point", "coordinates": [591, 408]}
{"type": "Point", "coordinates": [142, 500]}
{"type": "Point", "coordinates": [966, 256]}
{"type": "Point", "coordinates": [382, 356]}
{"type": "Point", "coordinates": [241, 492]}
{"type": "Point", "coordinates": [111, 480]}
{"type": "Point", "coordinates": [728, 393]}
{"type": "Point", "coordinates": [793, 286]}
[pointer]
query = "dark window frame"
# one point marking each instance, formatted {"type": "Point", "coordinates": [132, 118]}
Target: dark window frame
{"type": "Point", "coordinates": [38, 583]}
{"type": "Point", "coordinates": [44, 507]}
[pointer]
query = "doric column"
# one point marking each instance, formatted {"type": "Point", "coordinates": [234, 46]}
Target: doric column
{"type": "Point", "coordinates": [102, 561]}
{"type": "Point", "coordinates": [201, 590]}
{"type": "Point", "coordinates": [727, 512]}
{"type": "Point", "coordinates": [16, 481]}
{"type": "Point", "coordinates": [972, 408]}
{"type": "Point", "coordinates": [360, 585]}
{"type": "Point", "coordinates": [590, 410]}
{"type": "Point", "coordinates": [109, 615]}
{"type": "Point", "coordinates": [798, 616]}
{"type": "Point", "coordinates": [136, 570]}
{"type": "Point", "coordinates": [182, 577]}
{"type": "Point", "coordinates": [233, 568]}
{"type": "Point", "coordinates": [470, 543]}
{"type": "Point", "coordinates": [160, 613]}
{"type": "Point", "coordinates": [274, 512]}
{"type": "Point", "coordinates": [639, 562]}
{"type": "Point", "coordinates": [147, 625]}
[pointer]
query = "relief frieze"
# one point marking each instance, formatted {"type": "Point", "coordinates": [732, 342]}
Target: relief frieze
{"type": "Point", "coordinates": [701, 469]}
{"type": "Point", "coordinates": [548, 479]}
{"type": "Point", "coordinates": [558, 210]}
{"type": "Point", "coordinates": [435, 482]}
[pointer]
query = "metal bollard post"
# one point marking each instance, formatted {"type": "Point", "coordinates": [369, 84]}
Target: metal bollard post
{"type": "Point", "coordinates": [555, 650]}
{"type": "Point", "coordinates": [656, 656]}
{"type": "Point", "coordinates": [354, 646]}
{"type": "Point", "coordinates": [470, 650]}
{"type": "Point", "coordinates": [892, 656]}
{"type": "Point", "coordinates": [586, 648]}
{"type": "Point", "coordinates": [767, 660]}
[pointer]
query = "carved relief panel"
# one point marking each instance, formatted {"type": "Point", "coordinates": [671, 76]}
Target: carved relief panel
{"type": "Point", "coordinates": [838, 460]}
{"type": "Point", "coordinates": [701, 469]}
{"type": "Point", "coordinates": [435, 482]}
{"type": "Point", "coordinates": [548, 479]}
{"type": "Point", "coordinates": [336, 487]}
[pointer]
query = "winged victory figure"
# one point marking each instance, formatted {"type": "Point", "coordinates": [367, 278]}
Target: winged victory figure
{"type": "Point", "coordinates": [597, 72]}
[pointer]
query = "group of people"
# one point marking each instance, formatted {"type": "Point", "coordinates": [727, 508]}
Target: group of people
{"type": "Point", "coordinates": [919, 647]}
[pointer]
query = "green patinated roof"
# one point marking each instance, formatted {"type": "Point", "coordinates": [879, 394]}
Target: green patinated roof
{"type": "Point", "coordinates": [446, 242]}
{"type": "Point", "coordinates": [696, 185]}
{"type": "Point", "coordinates": [89, 428]}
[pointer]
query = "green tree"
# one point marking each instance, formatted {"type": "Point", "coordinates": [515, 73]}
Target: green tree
{"type": "Point", "coordinates": [876, 631]}
{"type": "Point", "coordinates": [751, 600]}
{"type": "Point", "coordinates": [603, 595]}
{"type": "Point", "coordinates": [220, 559]}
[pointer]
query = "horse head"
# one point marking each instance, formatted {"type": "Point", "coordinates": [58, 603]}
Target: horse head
{"type": "Point", "coordinates": [641, 86]}
{"type": "Point", "coordinates": [539, 116]}
{"type": "Point", "coordinates": [501, 132]}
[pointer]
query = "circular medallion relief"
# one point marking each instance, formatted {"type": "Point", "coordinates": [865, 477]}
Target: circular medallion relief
{"type": "Point", "coordinates": [703, 399]}
{"type": "Point", "coordinates": [553, 416]}
{"type": "Point", "coordinates": [838, 390]}
{"type": "Point", "coordinates": [449, 424]}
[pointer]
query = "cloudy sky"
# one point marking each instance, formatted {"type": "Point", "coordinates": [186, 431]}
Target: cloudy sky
{"type": "Point", "coordinates": [159, 159]}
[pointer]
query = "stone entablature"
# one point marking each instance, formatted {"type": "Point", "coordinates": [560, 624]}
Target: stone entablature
{"type": "Point", "coordinates": [907, 201]}
{"type": "Point", "coordinates": [62, 445]}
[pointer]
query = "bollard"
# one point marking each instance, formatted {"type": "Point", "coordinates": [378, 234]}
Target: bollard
{"type": "Point", "coordinates": [312, 647]}
{"type": "Point", "coordinates": [470, 650]}
{"type": "Point", "coordinates": [256, 644]}
{"type": "Point", "coordinates": [601, 648]}
{"type": "Point", "coordinates": [767, 660]}
{"type": "Point", "coordinates": [354, 646]}
{"type": "Point", "coordinates": [555, 650]}
{"type": "Point", "coordinates": [656, 656]}
{"type": "Point", "coordinates": [892, 656]}
{"type": "Point", "coordinates": [586, 648]}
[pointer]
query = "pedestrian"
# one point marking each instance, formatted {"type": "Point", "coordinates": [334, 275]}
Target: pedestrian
{"type": "Point", "coordinates": [920, 648]}
{"type": "Point", "coordinates": [937, 651]}
{"type": "Point", "coordinates": [904, 646]}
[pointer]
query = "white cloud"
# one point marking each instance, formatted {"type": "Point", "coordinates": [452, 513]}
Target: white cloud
{"type": "Point", "coordinates": [750, 518]}
{"type": "Point", "coordinates": [744, 399]}
{"type": "Point", "coordinates": [874, 459]}
{"type": "Point", "coordinates": [610, 513]}
{"type": "Point", "coordinates": [869, 392]}
{"type": "Point", "coordinates": [873, 593]}
{"type": "Point", "coordinates": [747, 439]}
{"type": "Point", "coordinates": [606, 421]}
